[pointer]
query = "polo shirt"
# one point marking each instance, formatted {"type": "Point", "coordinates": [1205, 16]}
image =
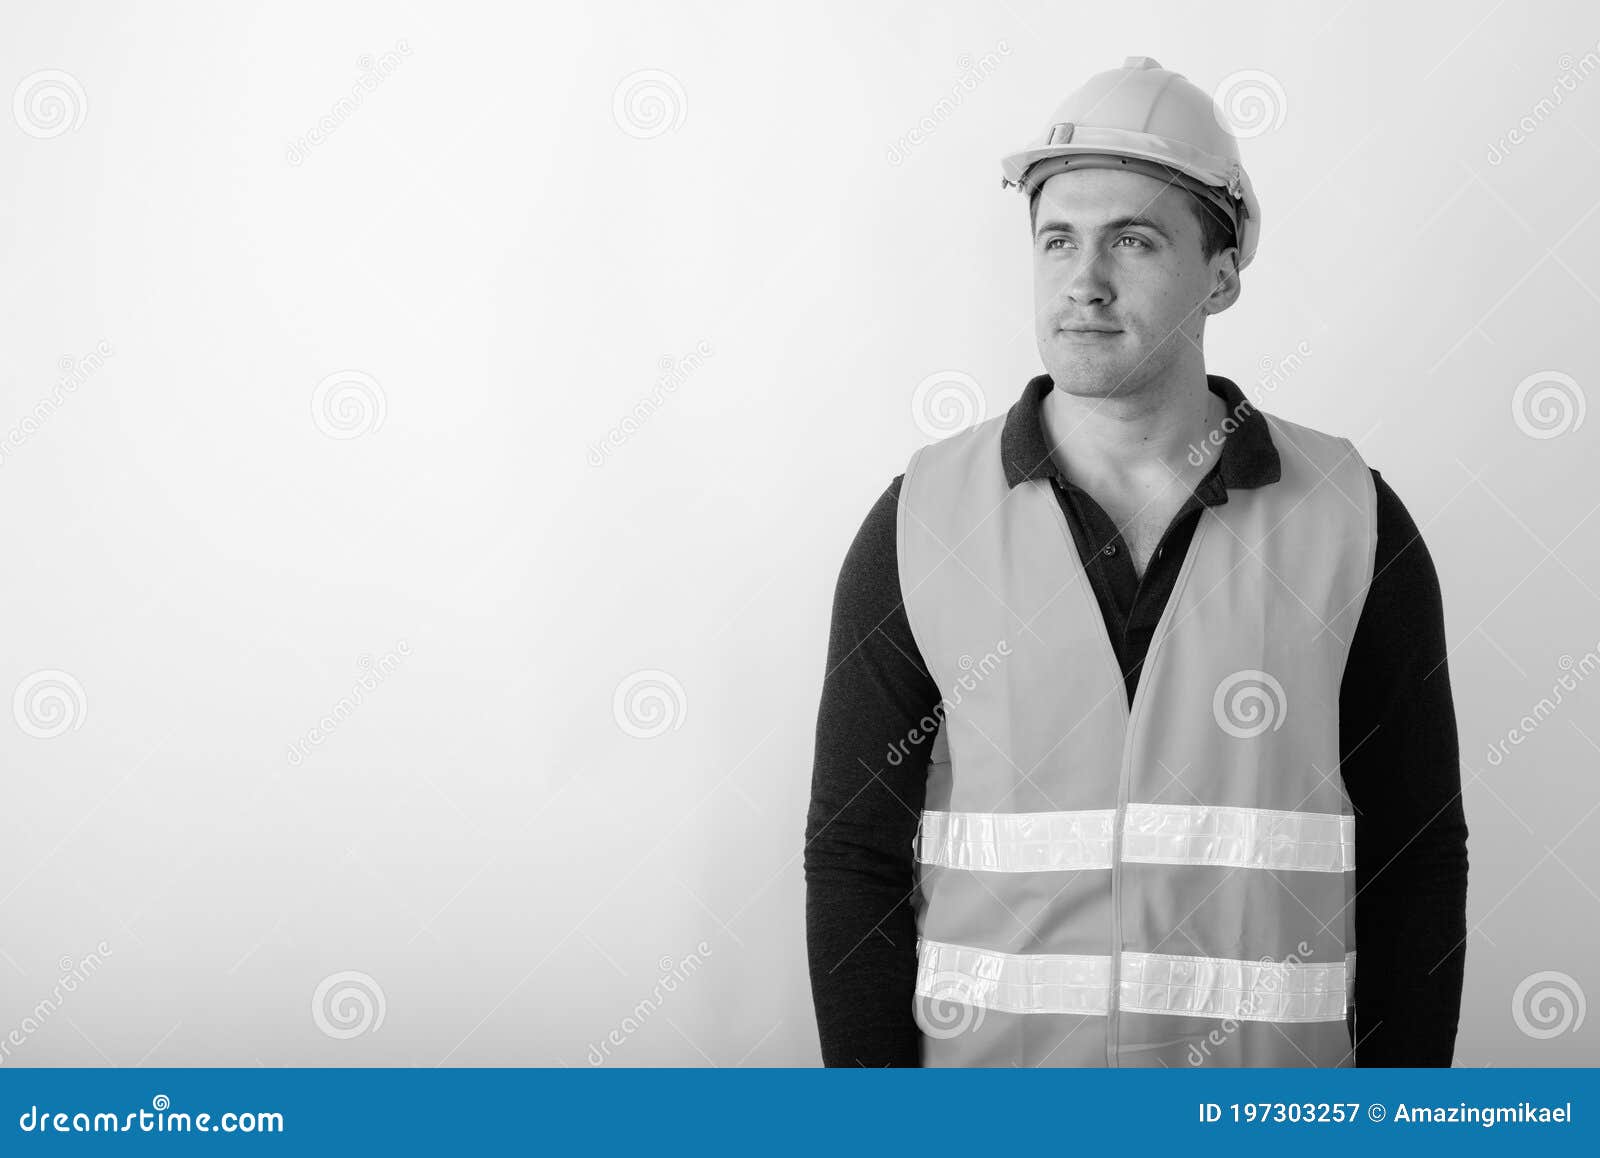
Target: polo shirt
{"type": "Point", "coordinates": [1398, 756]}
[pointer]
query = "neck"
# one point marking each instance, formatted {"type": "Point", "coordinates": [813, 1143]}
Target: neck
{"type": "Point", "coordinates": [1142, 438]}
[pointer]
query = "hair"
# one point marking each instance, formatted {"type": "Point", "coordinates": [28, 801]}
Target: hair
{"type": "Point", "coordinates": [1216, 231]}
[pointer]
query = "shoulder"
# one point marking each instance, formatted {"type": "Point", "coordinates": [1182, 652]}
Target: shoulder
{"type": "Point", "coordinates": [1315, 454]}
{"type": "Point", "coordinates": [964, 470]}
{"type": "Point", "coordinates": [1404, 607]}
{"type": "Point", "coordinates": [980, 441]}
{"type": "Point", "coordinates": [869, 580]}
{"type": "Point", "coordinates": [1403, 558]}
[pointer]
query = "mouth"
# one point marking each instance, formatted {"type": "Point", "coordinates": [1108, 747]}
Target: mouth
{"type": "Point", "coordinates": [1088, 332]}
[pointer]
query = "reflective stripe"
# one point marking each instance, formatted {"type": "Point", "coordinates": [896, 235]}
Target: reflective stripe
{"type": "Point", "coordinates": [1239, 837]}
{"type": "Point", "coordinates": [1013, 842]}
{"type": "Point", "coordinates": [1017, 842]}
{"type": "Point", "coordinates": [1238, 990]}
{"type": "Point", "coordinates": [1150, 983]}
{"type": "Point", "coordinates": [1040, 983]}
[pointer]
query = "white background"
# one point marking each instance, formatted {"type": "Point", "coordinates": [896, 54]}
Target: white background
{"type": "Point", "coordinates": [509, 251]}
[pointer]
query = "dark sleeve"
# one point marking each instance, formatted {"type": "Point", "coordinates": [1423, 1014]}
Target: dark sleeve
{"type": "Point", "coordinates": [1401, 766]}
{"type": "Point", "coordinates": [877, 698]}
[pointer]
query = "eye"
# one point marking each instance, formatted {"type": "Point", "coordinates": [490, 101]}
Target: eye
{"type": "Point", "coordinates": [1049, 245]}
{"type": "Point", "coordinates": [1133, 237]}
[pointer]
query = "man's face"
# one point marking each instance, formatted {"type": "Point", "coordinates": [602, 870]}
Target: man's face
{"type": "Point", "coordinates": [1120, 251]}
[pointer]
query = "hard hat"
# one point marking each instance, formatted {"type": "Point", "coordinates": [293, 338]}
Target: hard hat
{"type": "Point", "coordinates": [1148, 119]}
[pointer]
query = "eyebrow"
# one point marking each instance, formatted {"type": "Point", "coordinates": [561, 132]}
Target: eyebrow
{"type": "Point", "coordinates": [1139, 221]}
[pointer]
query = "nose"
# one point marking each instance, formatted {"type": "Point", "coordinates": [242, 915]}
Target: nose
{"type": "Point", "coordinates": [1089, 283]}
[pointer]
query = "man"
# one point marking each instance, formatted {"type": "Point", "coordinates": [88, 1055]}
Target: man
{"type": "Point", "coordinates": [1136, 720]}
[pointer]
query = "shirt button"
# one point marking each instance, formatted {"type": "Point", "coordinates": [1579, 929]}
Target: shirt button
{"type": "Point", "coordinates": [1110, 550]}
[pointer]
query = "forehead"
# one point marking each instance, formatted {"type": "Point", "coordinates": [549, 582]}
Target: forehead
{"type": "Point", "coordinates": [1085, 197]}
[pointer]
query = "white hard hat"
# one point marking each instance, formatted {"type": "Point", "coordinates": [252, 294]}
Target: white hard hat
{"type": "Point", "coordinates": [1146, 118]}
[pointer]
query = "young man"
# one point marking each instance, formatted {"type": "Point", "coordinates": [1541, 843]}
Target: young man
{"type": "Point", "coordinates": [1136, 720]}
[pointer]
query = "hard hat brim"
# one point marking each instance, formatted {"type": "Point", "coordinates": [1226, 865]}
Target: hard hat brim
{"type": "Point", "coordinates": [1202, 166]}
{"type": "Point", "coordinates": [1222, 174]}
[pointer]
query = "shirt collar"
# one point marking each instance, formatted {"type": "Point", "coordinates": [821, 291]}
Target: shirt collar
{"type": "Point", "coordinates": [1248, 458]}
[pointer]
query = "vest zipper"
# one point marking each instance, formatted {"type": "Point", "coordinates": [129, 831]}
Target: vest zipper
{"type": "Point", "coordinates": [1157, 638]}
{"type": "Point", "coordinates": [1113, 1006]}
{"type": "Point", "coordinates": [1086, 590]}
{"type": "Point", "coordinates": [1130, 714]}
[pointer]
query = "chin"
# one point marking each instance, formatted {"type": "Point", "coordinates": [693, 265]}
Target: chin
{"type": "Point", "coordinates": [1087, 377]}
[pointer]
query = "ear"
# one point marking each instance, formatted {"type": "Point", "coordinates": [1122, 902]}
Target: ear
{"type": "Point", "coordinates": [1224, 271]}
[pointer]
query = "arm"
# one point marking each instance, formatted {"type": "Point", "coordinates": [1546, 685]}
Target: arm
{"type": "Point", "coordinates": [1401, 766]}
{"type": "Point", "coordinates": [860, 926]}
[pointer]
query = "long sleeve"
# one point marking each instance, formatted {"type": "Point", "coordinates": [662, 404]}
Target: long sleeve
{"type": "Point", "coordinates": [875, 729]}
{"type": "Point", "coordinates": [1401, 767]}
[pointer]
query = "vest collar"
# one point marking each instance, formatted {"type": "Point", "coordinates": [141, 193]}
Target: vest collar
{"type": "Point", "coordinates": [1248, 458]}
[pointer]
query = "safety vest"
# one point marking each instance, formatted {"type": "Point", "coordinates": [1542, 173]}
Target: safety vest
{"type": "Point", "coordinates": [1171, 883]}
